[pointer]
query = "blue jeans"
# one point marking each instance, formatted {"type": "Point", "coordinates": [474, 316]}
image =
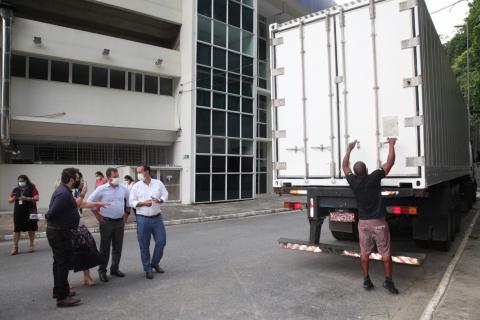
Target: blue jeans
{"type": "Point", "coordinates": [146, 227]}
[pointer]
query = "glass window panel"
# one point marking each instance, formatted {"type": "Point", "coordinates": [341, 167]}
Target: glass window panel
{"type": "Point", "coordinates": [218, 123]}
{"type": "Point", "coordinates": [247, 19]}
{"type": "Point", "coordinates": [247, 43]}
{"type": "Point", "coordinates": [247, 126]}
{"type": "Point", "coordinates": [247, 66]}
{"type": "Point", "coordinates": [203, 77]}
{"type": "Point", "coordinates": [204, 54]}
{"type": "Point", "coordinates": [220, 34]}
{"type": "Point", "coordinates": [151, 84]}
{"type": "Point", "coordinates": [218, 164]}
{"type": "Point", "coordinates": [59, 71]}
{"type": "Point", "coordinates": [233, 186]}
{"type": "Point", "coordinates": [233, 146]}
{"type": "Point", "coordinates": [233, 38]}
{"type": "Point", "coordinates": [262, 165]}
{"type": "Point", "coordinates": [205, 7]}
{"type": "Point", "coordinates": [262, 30]}
{"type": "Point", "coordinates": [203, 145]}
{"type": "Point", "coordinates": [262, 83]}
{"type": "Point", "coordinates": [203, 121]}
{"type": "Point", "coordinates": [247, 105]}
{"type": "Point", "coordinates": [261, 150]}
{"type": "Point", "coordinates": [202, 163]}
{"type": "Point", "coordinates": [233, 125]}
{"type": "Point", "coordinates": [233, 83]}
{"type": "Point", "coordinates": [166, 87]}
{"type": "Point", "coordinates": [261, 115]}
{"type": "Point", "coordinates": [262, 130]}
{"type": "Point", "coordinates": [262, 49]}
{"type": "Point", "coordinates": [262, 70]}
{"type": "Point", "coordinates": [247, 186]}
{"type": "Point", "coordinates": [247, 147]}
{"type": "Point", "coordinates": [117, 79]}
{"type": "Point", "coordinates": [233, 103]}
{"type": "Point", "coordinates": [80, 74]}
{"type": "Point", "coordinates": [135, 82]}
{"type": "Point", "coordinates": [247, 164]}
{"type": "Point", "coordinates": [203, 98]}
{"type": "Point", "coordinates": [18, 66]}
{"type": "Point", "coordinates": [220, 10]}
{"type": "Point", "coordinates": [204, 29]}
{"type": "Point", "coordinates": [38, 68]}
{"type": "Point", "coordinates": [248, 3]}
{"type": "Point", "coordinates": [218, 187]}
{"type": "Point", "coordinates": [247, 86]}
{"type": "Point", "coordinates": [219, 58]}
{"type": "Point", "coordinates": [202, 187]}
{"type": "Point", "coordinates": [218, 145]}
{"type": "Point", "coordinates": [233, 164]}
{"type": "Point", "coordinates": [219, 81]}
{"type": "Point", "coordinates": [99, 77]}
{"type": "Point", "coordinates": [219, 100]}
{"type": "Point", "coordinates": [262, 183]}
{"type": "Point", "coordinates": [233, 62]}
{"type": "Point", "coordinates": [234, 13]}
{"type": "Point", "coordinates": [262, 101]}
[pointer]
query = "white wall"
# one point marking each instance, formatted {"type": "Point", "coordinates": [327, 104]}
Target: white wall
{"type": "Point", "coordinates": [169, 10]}
{"type": "Point", "coordinates": [92, 105]}
{"type": "Point", "coordinates": [72, 44]}
{"type": "Point", "coordinates": [43, 176]}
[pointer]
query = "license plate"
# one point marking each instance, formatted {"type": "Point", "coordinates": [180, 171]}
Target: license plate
{"type": "Point", "coordinates": [342, 216]}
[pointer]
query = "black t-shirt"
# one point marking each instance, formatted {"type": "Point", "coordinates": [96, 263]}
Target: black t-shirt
{"type": "Point", "coordinates": [367, 191]}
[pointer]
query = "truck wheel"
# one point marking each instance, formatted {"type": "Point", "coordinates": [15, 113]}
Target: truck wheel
{"type": "Point", "coordinates": [342, 235]}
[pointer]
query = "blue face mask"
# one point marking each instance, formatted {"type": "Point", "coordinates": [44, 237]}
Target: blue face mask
{"type": "Point", "coordinates": [22, 183]}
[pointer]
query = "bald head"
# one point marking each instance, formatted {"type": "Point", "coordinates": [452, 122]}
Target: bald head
{"type": "Point", "coordinates": [360, 169]}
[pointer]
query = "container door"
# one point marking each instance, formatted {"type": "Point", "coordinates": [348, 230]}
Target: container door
{"type": "Point", "coordinates": [375, 108]}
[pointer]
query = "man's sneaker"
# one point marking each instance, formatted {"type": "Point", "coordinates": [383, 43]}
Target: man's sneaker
{"type": "Point", "coordinates": [390, 286]}
{"type": "Point", "coordinates": [368, 285]}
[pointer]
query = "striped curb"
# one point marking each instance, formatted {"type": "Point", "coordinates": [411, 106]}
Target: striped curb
{"type": "Point", "coordinates": [133, 226]}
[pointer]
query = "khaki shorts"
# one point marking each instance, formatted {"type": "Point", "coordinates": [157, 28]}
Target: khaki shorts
{"type": "Point", "coordinates": [374, 232]}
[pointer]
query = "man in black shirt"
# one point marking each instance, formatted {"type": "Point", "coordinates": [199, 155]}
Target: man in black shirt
{"type": "Point", "coordinates": [372, 226]}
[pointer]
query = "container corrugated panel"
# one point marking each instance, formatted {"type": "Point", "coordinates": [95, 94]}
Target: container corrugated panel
{"type": "Point", "coordinates": [365, 72]}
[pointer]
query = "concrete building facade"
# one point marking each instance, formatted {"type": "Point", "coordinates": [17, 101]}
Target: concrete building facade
{"type": "Point", "coordinates": [182, 85]}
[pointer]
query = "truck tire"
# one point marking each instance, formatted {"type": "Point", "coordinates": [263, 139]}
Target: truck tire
{"type": "Point", "coordinates": [343, 236]}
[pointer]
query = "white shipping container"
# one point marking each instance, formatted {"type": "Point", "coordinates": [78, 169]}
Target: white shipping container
{"type": "Point", "coordinates": [366, 71]}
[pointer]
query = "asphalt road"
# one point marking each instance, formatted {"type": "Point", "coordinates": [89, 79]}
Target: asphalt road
{"type": "Point", "coordinates": [226, 270]}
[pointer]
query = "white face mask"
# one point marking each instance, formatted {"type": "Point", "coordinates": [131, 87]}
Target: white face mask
{"type": "Point", "coordinates": [140, 177]}
{"type": "Point", "coordinates": [115, 181]}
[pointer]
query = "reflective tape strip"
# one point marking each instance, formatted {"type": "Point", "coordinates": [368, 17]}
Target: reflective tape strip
{"type": "Point", "coordinates": [312, 208]}
{"type": "Point", "coordinates": [278, 102]}
{"type": "Point", "coordinates": [278, 72]}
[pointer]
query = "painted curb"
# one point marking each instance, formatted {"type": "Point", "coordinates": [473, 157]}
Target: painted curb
{"type": "Point", "coordinates": [133, 226]}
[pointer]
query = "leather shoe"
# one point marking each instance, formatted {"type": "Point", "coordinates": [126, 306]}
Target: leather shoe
{"type": "Point", "coordinates": [68, 302]}
{"type": "Point", "coordinates": [103, 276]}
{"type": "Point", "coordinates": [149, 275]}
{"type": "Point", "coordinates": [158, 269]}
{"type": "Point", "coordinates": [117, 273]}
{"type": "Point", "coordinates": [70, 294]}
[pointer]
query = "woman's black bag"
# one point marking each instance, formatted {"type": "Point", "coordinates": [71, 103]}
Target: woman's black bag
{"type": "Point", "coordinates": [85, 254]}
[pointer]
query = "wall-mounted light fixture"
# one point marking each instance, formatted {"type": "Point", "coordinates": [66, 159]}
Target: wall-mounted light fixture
{"type": "Point", "coordinates": [158, 62]}
{"type": "Point", "coordinates": [37, 40]}
{"type": "Point", "coordinates": [106, 52]}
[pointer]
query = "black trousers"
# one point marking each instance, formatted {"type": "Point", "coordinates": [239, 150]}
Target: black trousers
{"type": "Point", "coordinates": [60, 240]}
{"type": "Point", "coordinates": [111, 234]}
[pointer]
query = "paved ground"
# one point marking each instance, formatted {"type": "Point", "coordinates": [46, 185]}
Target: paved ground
{"type": "Point", "coordinates": [228, 269]}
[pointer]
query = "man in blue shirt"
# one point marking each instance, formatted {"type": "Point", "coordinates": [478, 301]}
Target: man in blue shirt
{"type": "Point", "coordinates": [112, 221]}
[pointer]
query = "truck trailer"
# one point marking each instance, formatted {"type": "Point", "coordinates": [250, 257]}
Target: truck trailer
{"type": "Point", "coordinates": [367, 71]}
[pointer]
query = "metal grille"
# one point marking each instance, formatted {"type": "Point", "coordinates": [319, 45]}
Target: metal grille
{"type": "Point", "coordinates": [89, 153]}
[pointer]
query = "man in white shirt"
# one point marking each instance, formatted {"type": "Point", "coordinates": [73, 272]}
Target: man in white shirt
{"type": "Point", "coordinates": [112, 220]}
{"type": "Point", "coordinates": [146, 196]}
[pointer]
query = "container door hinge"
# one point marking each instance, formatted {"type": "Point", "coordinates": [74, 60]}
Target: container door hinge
{"type": "Point", "coordinates": [414, 121]}
{"type": "Point", "coordinates": [279, 134]}
{"type": "Point", "coordinates": [280, 165]}
{"type": "Point", "coordinates": [278, 72]}
{"type": "Point", "coordinates": [410, 43]}
{"type": "Point", "coordinates": [407, 5]}
{"type": "Point", "coordinates": [296, 149]}
{"type": "Point", "coordinates": [322, 148]}
{"type": "Point", "coordinates": [412, 82]}
{"type": "Point", "coordinates": [278, 103]}
{"type": "Point", "coordinates": [415, 161]}
{"type": "Point", "coordinates": [276, 41]}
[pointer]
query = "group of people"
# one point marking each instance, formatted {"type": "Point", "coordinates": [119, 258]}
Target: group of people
{"type": "Point", "coordinates": [111, 203]}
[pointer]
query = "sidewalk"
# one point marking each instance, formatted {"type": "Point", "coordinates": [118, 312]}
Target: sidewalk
{"type": "Point", "coordinates": [175, 214]}
{"type": "Point", "coordinates": [463, 294]}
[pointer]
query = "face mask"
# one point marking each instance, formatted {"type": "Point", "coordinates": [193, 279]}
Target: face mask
{"type": "Point", "coordinates": [140, 177]}
{"type": "Point", "coordinates": [22, 183]}
{"type": "Point", "coordinates": [115, 181]}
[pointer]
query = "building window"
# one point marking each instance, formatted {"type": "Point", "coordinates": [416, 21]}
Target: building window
{"type": "Point", "coordinates": [80, 74]}
{"type": "Point", "coordinates": [166, 87]}
{"type": "Point", "coordinates": [234, 13]}
{"type": "Point", "coordinates": [219, 34]}
{"type": "Point", "coordinates": [234, 38]}
{"type": "Point", "coordinates": [220, 10]}
{"type": "Point", "coordinates": [19, 66]}
{"type": "Point", "coordinates": [117, 79]}
{"type": "Point", "coordinates": [205, 7]}
{"type": "Point", "coordinates": [135, 82]}
{"type": "Point", "coordinates": [99, 77]}
{"type": "Point", "coordinates": [204, 54]}
{"type": "Point", "coordinates": [204, 29]}
{"type": "Point", "coordinates": [37, 68]}
{"type": "Point", "coordinates": [59, 71]}
{"type": "Point", "coordinates": [151, 84]}
{"type": "Point", "coordinates": [247, 19]}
